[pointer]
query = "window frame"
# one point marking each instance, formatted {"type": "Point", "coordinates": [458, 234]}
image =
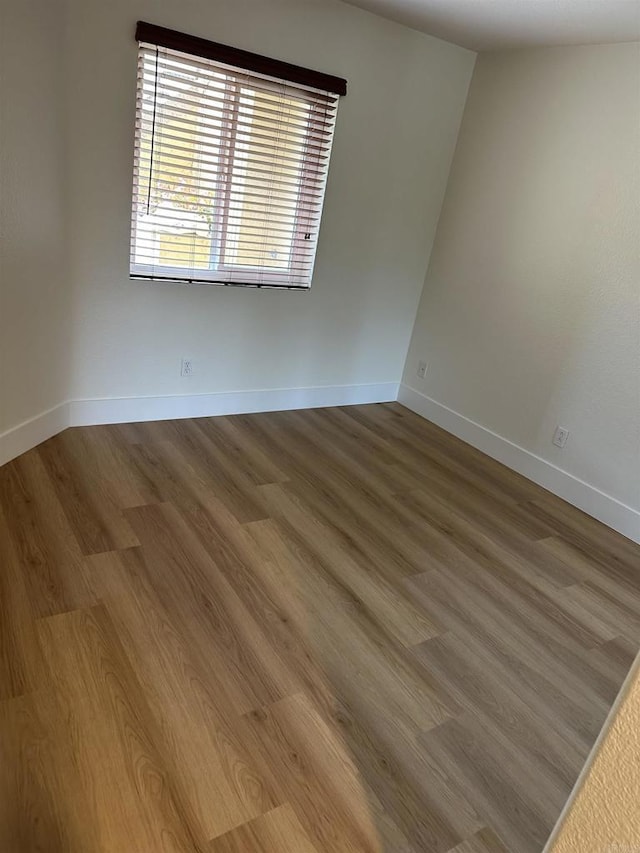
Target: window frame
{"type": "Point", "coordinates": [225, 273]}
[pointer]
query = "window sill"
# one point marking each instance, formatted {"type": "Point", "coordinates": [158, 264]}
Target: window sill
{"type": "Point", "coordinates": [248, 285]}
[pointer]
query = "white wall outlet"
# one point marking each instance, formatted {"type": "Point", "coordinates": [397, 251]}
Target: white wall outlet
{"type": "Point", "coordinates": [560, 436]}
{"type": "Point", "coordinates": [187, 367]}
{"type": "Point", "coordinates": [422, 369]}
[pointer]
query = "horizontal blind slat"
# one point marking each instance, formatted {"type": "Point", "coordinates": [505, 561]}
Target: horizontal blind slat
{"type": "Point", "coordinates": [192, 126]}
{"type": "Point", "coordinates": [255, 245]}
{"type": "Point", "coordinates": [243, 208]}
{"type": "Point", "coordinates": [192, 102]}
{"type": "Point", "coordinates": [252, 195]}
{"type": "Point", "coordinates": [298, 135]}
{"type": "Point", "coordinates": [223, 270]}
{"type": "Point", "coordinates": [218, 100]}
{"type": "Point", "coordinates": [258, 179]}
{"type": "Point", "coordinates": [184, 139]}
{"type": "Point", "coordinates": [186, 261]}
{"type": "Point", "coordinates": [170, 142]}
{"type": "Point", "coordinates": [227, 85]}
{"type": "Point", "coordinates": [240, 201]}
{"type": "Point", "coordinates": [286, 228]}
{"type": "Point", "coordinates": [314, 179]}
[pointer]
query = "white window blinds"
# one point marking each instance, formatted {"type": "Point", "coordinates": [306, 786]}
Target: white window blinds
{"type": "Point", "coordinates": [230, 172]}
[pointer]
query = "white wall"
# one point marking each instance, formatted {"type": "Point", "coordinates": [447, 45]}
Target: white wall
{"type": "Point", "coordinates": [394, 141]}
{"type": "Point", "coordinates": [34, 292]}
{"type": "Point", "coordinates": [530, 314]}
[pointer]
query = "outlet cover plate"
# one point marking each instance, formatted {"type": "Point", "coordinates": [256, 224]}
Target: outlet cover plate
{"type": "Point", "coordinates": [560, 436]}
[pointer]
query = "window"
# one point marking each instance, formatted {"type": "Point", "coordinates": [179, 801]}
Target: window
{"type": "Point", "coordinates": [231, 159]}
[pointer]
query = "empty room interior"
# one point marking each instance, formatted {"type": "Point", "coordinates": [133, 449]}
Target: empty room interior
{"type": "Point", "coordinates": [320, 426]}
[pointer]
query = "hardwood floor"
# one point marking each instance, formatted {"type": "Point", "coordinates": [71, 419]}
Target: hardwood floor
{"type": "Point", "coordinates": [300, 632]}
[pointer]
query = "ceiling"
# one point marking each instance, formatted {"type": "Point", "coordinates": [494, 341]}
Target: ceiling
{"type": "Point", "coordinates": [496, 24]}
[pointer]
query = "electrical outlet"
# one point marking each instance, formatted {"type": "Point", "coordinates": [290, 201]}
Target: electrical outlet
{"type": "Point", "coordinates": [187, 367]}
{"type": "Point", "coordinates": [422, 369]}
{"type": "Point", "coordinates": [560, 436]}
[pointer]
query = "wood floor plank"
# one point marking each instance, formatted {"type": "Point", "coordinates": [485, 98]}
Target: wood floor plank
{"type": "Point", "coordinates": [332, 443]}
{"type": "Point", "coordinates": [30, 815]}
{"type": "Point", "coordinates": [108, 461]}
{"type": "Point", "coordinates": [278, 831]}
{"type": "Point", "coordinates": [251, 671]}
{"type": "Point", "coordinates": [365, 515]}
{"type": "Point", "coordinates": [208, 461]}
{"type": "Point", "coordinates": [481, 689]}
{"type": "Point", "coordinates": [484, 841]}
{"type": "Point", "coordinates": [575, 719]}
{"type": "Point", "coordinates": [356, 668]}
{"type": "Point", "coordinates": [610, 607]}
{"type": "Point", "coordinates": [594, 565]}
{"type": "Point", "coordinates": [316, 775]}
{"type": "Point", "coordinates": [116, 790]}
{"type": "Point", "coordinates": [242, 452]}
{"type": "Point", "coordinates": [20, 654]}
{"type": "Point", "coordinates": [506, 791]}
{"type": "Point", "coordinates": [389, 833]}
{"type": "Point", "coordinates": [323, 631]}
{"type": "Point", "coordinates": [384, 600]}
{"type": "Point", "coordinates": [413, 791]}
{"type": "Point", "coordinates": [586, 534]}
{"type": "Point", "coordinates": [269, 590]}
{"type": "Point", "coordinates": [45, 544]}
{"type": "Point", "coordinates": [186, 697]}
{"type": "Point", "coordinates": [525, 626]}
{"type": "Point", "coordinates": [425, 442]}
{"type": "Point", "coordinates": [357, 433]}
{"type": "Point", "coordinates": [84, 492]}
{"type": "Point", "coordinates": [468, 533]}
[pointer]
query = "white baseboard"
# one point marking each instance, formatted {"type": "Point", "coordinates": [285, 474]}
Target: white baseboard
{"type": "Point", "coordinates": [586, 497]}
{"type": "Point", "coordinates": [24, 436]}
{"type": "Point", "coordinates": [28, 434]}
{"type": "Point", "coordinates": [132, 409]}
